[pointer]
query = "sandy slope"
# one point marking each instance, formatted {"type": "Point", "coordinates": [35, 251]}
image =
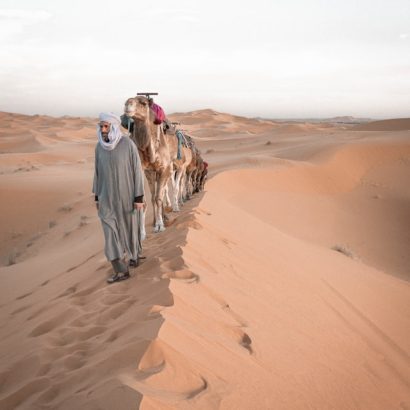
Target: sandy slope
{"type": "Point", "coordinates": [284, 285]}
{"type": "Point", "coordinates": [399, 124]}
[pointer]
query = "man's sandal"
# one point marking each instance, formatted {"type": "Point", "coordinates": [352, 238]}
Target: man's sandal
{"type": "Point", "coordinates": [133, 263]}
{"type": "Point", "coordinates": [117, 277]}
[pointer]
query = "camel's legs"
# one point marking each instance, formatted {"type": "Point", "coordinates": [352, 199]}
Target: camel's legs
{"type": "Point", "coordinates": [202, 181]}
{"type": "Point", "coordinates": [194, 181]}
{"type": "Point", "coordinates": [172, 179]}
{"type": "Point", "coordinates": [194, 177]}
{"type": "Point", "coordinates": [158, 205]}
{"type": "Point", "coordinates": [162, 179]}
{"type": "Point", "coordinates": [167, 200]}
{"type": "Point", "coordinates": [177, 191]}
{"type": "Point", "coordinates": [197, 181]}
{"type": "Point", "coordinates": [141, 229]}
{"type": "Point", "coordinates": [188, 185]}
{"type": "Point", "coordinates": [182, 188]}
{"type": "Point", "coordinates": [142, 223]}
{"type": "Point", "coordinates": [151, 177]}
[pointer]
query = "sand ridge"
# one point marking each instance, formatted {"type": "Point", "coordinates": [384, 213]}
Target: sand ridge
{"type": "Point", "coordinates": [397, 124]}
{"type": "Point", "coordinates": [284, 285]}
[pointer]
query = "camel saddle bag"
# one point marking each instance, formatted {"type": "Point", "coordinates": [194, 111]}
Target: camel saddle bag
{"type": "Point", "coordinates": [159, 113]}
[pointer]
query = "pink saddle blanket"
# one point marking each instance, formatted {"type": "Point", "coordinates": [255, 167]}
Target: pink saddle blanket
{"type": "Point", "coordinates": [159, 113]}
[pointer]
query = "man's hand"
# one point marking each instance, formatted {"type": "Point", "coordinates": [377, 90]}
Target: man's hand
{"type": "Point", "coordinates": [138, 205]}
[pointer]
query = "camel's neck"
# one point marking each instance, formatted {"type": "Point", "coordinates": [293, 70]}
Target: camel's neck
{"type": "Point", "coordinates": [155, 131]}
{"type": "Point", "coordinates": [146, 136]}
{"type": "Point", "coordinates": [142, 131]}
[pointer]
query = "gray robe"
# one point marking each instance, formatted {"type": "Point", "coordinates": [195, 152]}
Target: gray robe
{"type": "Point", "coordinates": [118, 179]}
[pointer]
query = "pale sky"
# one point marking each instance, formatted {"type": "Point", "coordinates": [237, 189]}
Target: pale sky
{"type": "Point", "coordinates": [275, 59]}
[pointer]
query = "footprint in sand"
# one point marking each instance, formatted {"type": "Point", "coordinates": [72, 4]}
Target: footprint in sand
{"type": "Point", "coordinates": [43, 328]}
{"type": "Point", "coordinates": [246, 342]}
{"type": "Point", "coordinates": [228, 242]}
{"type": "Point", "coordinates": [44, 369]}
{"type": "Point", "coordinates": [20, 381]}
{"type": "Point", "coordinates": [172, 262]}
{"type": "Point", "coordinates": [21, 370]}
{"type": "Point", "coordinates": [18, 397]}
{"type": "Point", "coordinates": [49, 325]}
{"type": "Point", "coordinates": [49, 395]}
{"type": "Point", "coordinates": [183, 275]}
{"type": "Point", "coordinates": [83, 320]}
{"type": "Point", "coordinates": [241, 322]}
{"type": "Point", "coordinates": [21, 309]}
{"type": "Point", "coordinates": [76, 360]}
{"type": "Point", "coordinates": [68, 291]}
{"type": "Point", "coordinates": [24, 296]}
{"type": "Point", "coordinates": [190, 224]}
{"type": "Point", "coordinates": [113, 336]}
{"type": "Point", "coordinates": [89, 290]}
{"type": "Point", "coordinates": [116, 311]}
{"type": "Point", "coordinates": [111, 299]}
{"type": "Point", "coordinates": [118, 332]}
{"type": "Point", "coordinates": [38, 312]}
{"type": "Point", "coordinates": [73, 339]}
{"type": "Point", "coordinates": [81, 263]}
{"type": "Point", "coordinates": [85, 296]}
{"type": "Point", "coordinates": [93, 331]}
{"type": "Point", "coordinates": [160, 364]}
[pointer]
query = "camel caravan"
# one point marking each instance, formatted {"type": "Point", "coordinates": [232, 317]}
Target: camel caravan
{"type": "Point", "coordinates": [168, 155]}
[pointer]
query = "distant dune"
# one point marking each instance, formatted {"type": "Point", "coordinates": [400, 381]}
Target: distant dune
{"type": "Point", "coordinates": [347, 120]}
{"type": "Point", "coordinates": [398, 124]}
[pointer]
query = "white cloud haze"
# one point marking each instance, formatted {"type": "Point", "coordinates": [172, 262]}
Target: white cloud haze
{"type": "Point", "coordinates": [276, 59]}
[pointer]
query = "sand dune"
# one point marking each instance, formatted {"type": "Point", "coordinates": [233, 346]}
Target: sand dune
{"type": "Point", "coordinates": [399, 124]}
{"type": "Point", "coordinates": [283, 286]}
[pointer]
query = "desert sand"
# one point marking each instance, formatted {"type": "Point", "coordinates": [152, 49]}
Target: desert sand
{"type": "Point", "coordinates": [284, 285]}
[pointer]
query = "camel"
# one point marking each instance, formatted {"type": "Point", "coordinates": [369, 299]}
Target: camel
{"type": "Point", "coordinates": [201, 176]}
{"type": "Point", "coordinates": [191, 173]}
{"type": "Point", "coordinates": [159, 157]}
{"type": "Point", "coordinates": [193, 169]}
{"type": "Point", "coordinates": [179, 168]}
{"type": "Point", "coordinates": [154, 153]}
{"type": "Point", "coordinates": [198, 174]}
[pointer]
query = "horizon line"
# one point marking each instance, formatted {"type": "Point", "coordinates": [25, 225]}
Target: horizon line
{"type": "Point", "coordinates": [279, 118]}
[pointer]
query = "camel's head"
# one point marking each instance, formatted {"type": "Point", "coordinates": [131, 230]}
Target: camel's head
{"type": "Point", "coordinates": [137, 108]}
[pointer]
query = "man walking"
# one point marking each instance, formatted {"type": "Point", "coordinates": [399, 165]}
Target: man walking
{"type": "Point", "coordinates": [119, 190]}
